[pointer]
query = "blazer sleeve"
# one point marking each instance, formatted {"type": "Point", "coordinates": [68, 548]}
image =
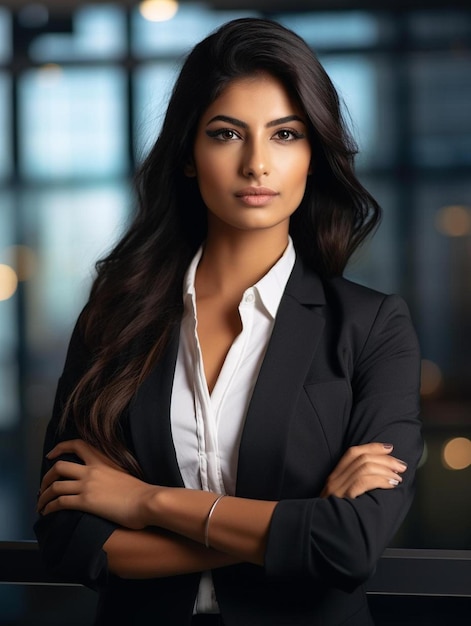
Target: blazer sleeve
{"type": "Point", "coordinates": [338, 541]}
{"type": "Point", "coordinates": [71, 542]}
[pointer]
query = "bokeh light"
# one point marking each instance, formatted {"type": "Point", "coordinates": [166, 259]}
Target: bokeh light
{"type": "Point", "coordinates": [158, 10]}
{"type": "Point", "coordinates": [8, 281]}
{"type": "Point", "coordinates": [456, 453]}
{"type": "Point", "coordinates": [454, 221]}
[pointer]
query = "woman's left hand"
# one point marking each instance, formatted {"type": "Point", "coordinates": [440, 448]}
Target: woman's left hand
{"type": "Point", "coordinates": [364, 468]}
{"type": "Point", "coordinates": [99, 487]}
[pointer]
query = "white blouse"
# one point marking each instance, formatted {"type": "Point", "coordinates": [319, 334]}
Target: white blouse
{"type": "Point", "coordinates": [207, 428]}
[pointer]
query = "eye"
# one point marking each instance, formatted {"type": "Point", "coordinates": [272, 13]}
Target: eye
{"type": "Point", "coordinates": [286, 134]}
{"type": "Point", "coordinates": [223, 134]}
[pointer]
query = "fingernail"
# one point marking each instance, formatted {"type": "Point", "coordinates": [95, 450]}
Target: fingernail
{"type": "Point", "coordinates": [394, 482]}
{"type": "Point", "coordinates": [388, 446]}
{"type": "Point", "coordinates": [402, 462]}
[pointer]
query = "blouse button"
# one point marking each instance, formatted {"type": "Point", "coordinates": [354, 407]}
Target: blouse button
{"type": "Point", "coordinates": [249, 297]}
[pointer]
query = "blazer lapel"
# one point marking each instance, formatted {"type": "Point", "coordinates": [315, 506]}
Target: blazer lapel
{"type": "Point", "coordinates": [297, 330]}
{"type": "Point", "coordinates": [150, 421]}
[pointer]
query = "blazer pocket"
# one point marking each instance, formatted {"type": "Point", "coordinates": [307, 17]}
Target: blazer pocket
{"type": "Point", "coordinates": [332, 402]}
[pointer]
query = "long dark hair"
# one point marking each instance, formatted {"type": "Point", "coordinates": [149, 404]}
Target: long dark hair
{"type": "Point", "coordinates": [136, 300]}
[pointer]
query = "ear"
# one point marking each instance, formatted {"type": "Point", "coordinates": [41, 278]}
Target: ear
{"type": "Point", "coordinates": [189, 169]}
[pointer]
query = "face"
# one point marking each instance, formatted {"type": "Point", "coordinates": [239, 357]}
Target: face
{"type": "Point", "coordinates": [251, 156]}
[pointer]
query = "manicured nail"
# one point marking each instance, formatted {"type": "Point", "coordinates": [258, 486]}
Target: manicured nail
{"type": "Point", "coordinates": [402, 462]}
{"type": "Point", "coordinates": [393, 482]}
{"type": "Point", "coordinates": [388, 446]}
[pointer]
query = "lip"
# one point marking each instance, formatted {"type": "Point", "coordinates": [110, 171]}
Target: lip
{"type": "Point", "coordinates": [255, 191]}
{"type": "Point", "coordinates": [256, 196]}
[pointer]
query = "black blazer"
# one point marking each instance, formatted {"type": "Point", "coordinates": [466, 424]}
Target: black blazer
{"type": "Point", "coordinates": [341, 368]}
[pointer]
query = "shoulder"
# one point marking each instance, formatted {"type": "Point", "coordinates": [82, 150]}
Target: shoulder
{"type": "Point", "coordinates": [375, 324]}
{"type": "Point", "coordinates": [347, 291]}
{"type": "Point", "coordinates": [310, 288]}
{"type": "Point", "coordinates": [367, 321]}
{"type": "Point", "coordinates": [359, 302]}
{"type": "Point", "coordinates": [345, 305]}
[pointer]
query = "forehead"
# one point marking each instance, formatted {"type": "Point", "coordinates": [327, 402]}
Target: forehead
{"type": "Point", "coordinates": [258, 96]}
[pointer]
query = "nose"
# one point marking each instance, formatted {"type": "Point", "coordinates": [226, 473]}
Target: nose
{"type": "Point", "coordinates": [255, 159]}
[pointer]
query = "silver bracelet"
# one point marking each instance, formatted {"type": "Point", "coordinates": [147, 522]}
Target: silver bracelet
{"type": "Point", "coordinates": [208, 519]}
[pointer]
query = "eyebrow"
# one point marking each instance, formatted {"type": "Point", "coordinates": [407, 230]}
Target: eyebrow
{"type": "Point", "coordinates": [241, 124]}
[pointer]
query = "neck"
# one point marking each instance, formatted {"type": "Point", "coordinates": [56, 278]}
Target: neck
{"type": "Point", "coordinates": [234, 261]}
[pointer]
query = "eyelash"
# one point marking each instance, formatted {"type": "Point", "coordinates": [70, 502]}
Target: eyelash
{"type": "Point", "coordinates": [218, 134]}
{"type": "Point", "coordinates": [294, 134]}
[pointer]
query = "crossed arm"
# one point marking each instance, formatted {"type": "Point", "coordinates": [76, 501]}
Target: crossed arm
{"type": "Point", "coordinates": [161, 530]}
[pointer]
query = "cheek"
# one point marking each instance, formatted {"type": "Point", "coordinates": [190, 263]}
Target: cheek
{"type": "Point", "coordinates": [206, 164]}
{"type": "Point", "coordinates": [306, 163]}
{"type": "Point", "coordinates": [207, 179]}
{"type": "Point", "coordinates": [298, 162]}
{"type": "Point", "coordinates": [212, 173]}
{"type": "Point", "coordinates": [298, 173]}
{"type": "Point", "coordinates": [210, 183]}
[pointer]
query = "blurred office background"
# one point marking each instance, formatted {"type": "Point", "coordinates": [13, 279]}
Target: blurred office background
{"type": "Point", "coordinates": [82, 90]}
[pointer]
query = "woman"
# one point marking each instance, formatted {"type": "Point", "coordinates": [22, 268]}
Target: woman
{"type": "Point", "coordinates": [221, 444]}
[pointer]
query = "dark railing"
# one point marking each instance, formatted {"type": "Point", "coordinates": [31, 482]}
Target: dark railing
{"type": "Point", "coordinates": [423, 573]}
{"type": "Point", "coordinates": [409, 588]}
{"type": "Point", "coordinates": [399, 572]}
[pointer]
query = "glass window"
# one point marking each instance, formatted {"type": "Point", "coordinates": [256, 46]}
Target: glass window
{"type": "Point", "coordinates": [441, 511]}
{"type": "Point", "coordinates": [153, 85]}
{"type": "Point", "coordinates": [444, 25]}
{"type": "Point", "coordinates": [444, 285]}
{"type": "Point", "coordinates": [443, 304]}
{"type": "Point", "coordinates": [68, 229]}
{"type": "Point", "coordinates": [10, 520]}
{"type": "Point", "coordinates": [73, 123]}
{"type": "Point", "coordinates": [99, 32]}
{"type": "Point", "coordinates": [177, 35]}
{"type": "Point", "coordinates": [441, 105]}
{"type": "Point", "coordinates": [8, 318]}
{"type": "Point", "coordinates": [5, 35]}
{"type": "Point", "coordinates": [375, 264]}
{"type": "Point", "coordinates": [334, 30]}
{"type": "Point", "coordinates": [5, 126]}
{"type": "Point", "coordinates": [354, 78]}
{"type": "Point", "coordinates": [364, 85]}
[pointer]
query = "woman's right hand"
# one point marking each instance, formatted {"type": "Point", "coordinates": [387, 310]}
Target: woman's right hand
{"type": "Point", "coordinates": [99, 487]}
{"type": "Point", "coordinates": [363, 468]}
